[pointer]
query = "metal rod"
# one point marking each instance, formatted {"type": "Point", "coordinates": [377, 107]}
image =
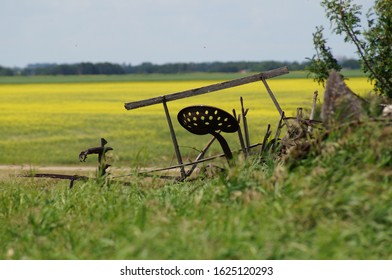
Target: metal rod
{"type": "Point", "coordinates": [265, 140]}
{"type": "Point", "coordinates": [184, 164]}
{"type": "Point", "coordinates": [174, 139]}
{"type": "Point", "coordinates": [277, 134]}
{"type": "Point", "coordinates": [245, 122]}
{"type": "Point", "coordinates": [274, 100]}
{"type": "Point", "coordinates": [241, 138]}
{"type": "Point", "coordinates": [200, 156]}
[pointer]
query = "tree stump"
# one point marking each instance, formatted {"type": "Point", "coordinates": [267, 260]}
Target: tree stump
{"type": "Point", "coordinates": [340, 103]}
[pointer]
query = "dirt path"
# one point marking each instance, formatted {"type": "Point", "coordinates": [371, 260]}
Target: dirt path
{"type": "Point", "coordinates": [9, 170]}
{"type": "Point", "coordinates": [8, 167]}
{"type": "Point", "coordinates": [69, 170]}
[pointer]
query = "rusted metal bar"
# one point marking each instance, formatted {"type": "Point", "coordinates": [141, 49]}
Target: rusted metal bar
{"type": "Point", "coordinates": [185, 164]}
{"type": "Point", "coordinates": [174, 138]}
{"type": "Point", "coordinates": [100, 151]}
{"type": "Point", "coordinates": [200, 156]}
{"type": "Point", "coordinates": [245, 122]}
{"type": "Point", "coordinates": [207, 89]}
{"type": "Point", "coordinates": [276, 103]}
{"type": "Point", "coordinates": [278, 130]}
{"type": "Point", "coordinates": [265, 140]}
{"type": "Point", "coordinates": [241, 138]}
{"type": "Point", "coordinates": [71, 178]}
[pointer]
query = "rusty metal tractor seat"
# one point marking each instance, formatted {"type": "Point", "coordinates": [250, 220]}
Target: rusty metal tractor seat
{"type": "Point", "coordinates": [203, 119]}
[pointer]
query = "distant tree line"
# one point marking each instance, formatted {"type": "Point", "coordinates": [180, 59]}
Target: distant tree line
{"type": "Point", "coordinates": [4, 71]}
{"type": "Point", "coordinates": [106, 68]}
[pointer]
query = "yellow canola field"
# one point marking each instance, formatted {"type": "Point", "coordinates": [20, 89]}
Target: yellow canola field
{"type": "Point", "coordinates": [52, 123]}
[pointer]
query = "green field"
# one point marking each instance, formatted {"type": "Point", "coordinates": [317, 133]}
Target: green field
{"type": "Point", "coordinates": [332, 203]}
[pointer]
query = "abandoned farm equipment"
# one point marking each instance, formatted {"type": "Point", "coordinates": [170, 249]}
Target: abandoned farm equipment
{"type": "Point", "coordinates": [203, 119]}
{"type": "Point", "coordinates": [211, 120]}
{"type": "Point", "coordinates": [199, 120]}
{"type": "Point", "coordinates": [101, 169]}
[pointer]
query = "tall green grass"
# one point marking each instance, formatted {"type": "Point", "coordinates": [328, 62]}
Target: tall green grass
{"type": "Point", "coordinates": [334, 204]}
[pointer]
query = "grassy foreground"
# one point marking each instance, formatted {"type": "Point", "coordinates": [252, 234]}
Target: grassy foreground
{"type": "Point", "coordinates": [334, 204]}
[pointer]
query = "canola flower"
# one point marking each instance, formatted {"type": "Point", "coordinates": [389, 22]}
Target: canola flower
{"type": "Point", "coordinates": [39, 122]}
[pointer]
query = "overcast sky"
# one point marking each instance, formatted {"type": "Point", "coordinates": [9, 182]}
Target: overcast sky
{"type": "Point", "coordinates": [161, 31]}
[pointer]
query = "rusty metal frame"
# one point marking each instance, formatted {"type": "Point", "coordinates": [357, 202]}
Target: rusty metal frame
{"type": "Point", "coordinates": [101, 169]}
{"type": "Point", "coordinates": [263, 76]}
{"type": "Point", "coordinates": [245, 145]}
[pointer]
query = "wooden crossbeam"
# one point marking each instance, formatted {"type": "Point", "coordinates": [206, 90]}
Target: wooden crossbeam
{"type": "Point", "coordinates": [207, 89]}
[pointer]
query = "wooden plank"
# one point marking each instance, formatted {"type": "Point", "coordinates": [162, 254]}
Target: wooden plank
{"type": "Point", "coordinates": [207, 89]}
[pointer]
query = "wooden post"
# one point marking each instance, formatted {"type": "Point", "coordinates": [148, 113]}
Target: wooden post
{"type": "Point", "coordinates": [311, 117]}
{"type": "Point", "coordinates": [299, 115]}
{"type": "Point", "coordinates": [174, 138]}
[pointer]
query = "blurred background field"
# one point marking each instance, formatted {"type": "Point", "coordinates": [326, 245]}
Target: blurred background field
{"type": "Point", "coordinates": [49, 120]}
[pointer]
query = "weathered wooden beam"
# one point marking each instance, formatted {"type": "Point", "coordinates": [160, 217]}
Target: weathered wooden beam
{"type": "Point", "coordinates": [311, 117]}
{"type": "Point", "coordinates": [207, 89]}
